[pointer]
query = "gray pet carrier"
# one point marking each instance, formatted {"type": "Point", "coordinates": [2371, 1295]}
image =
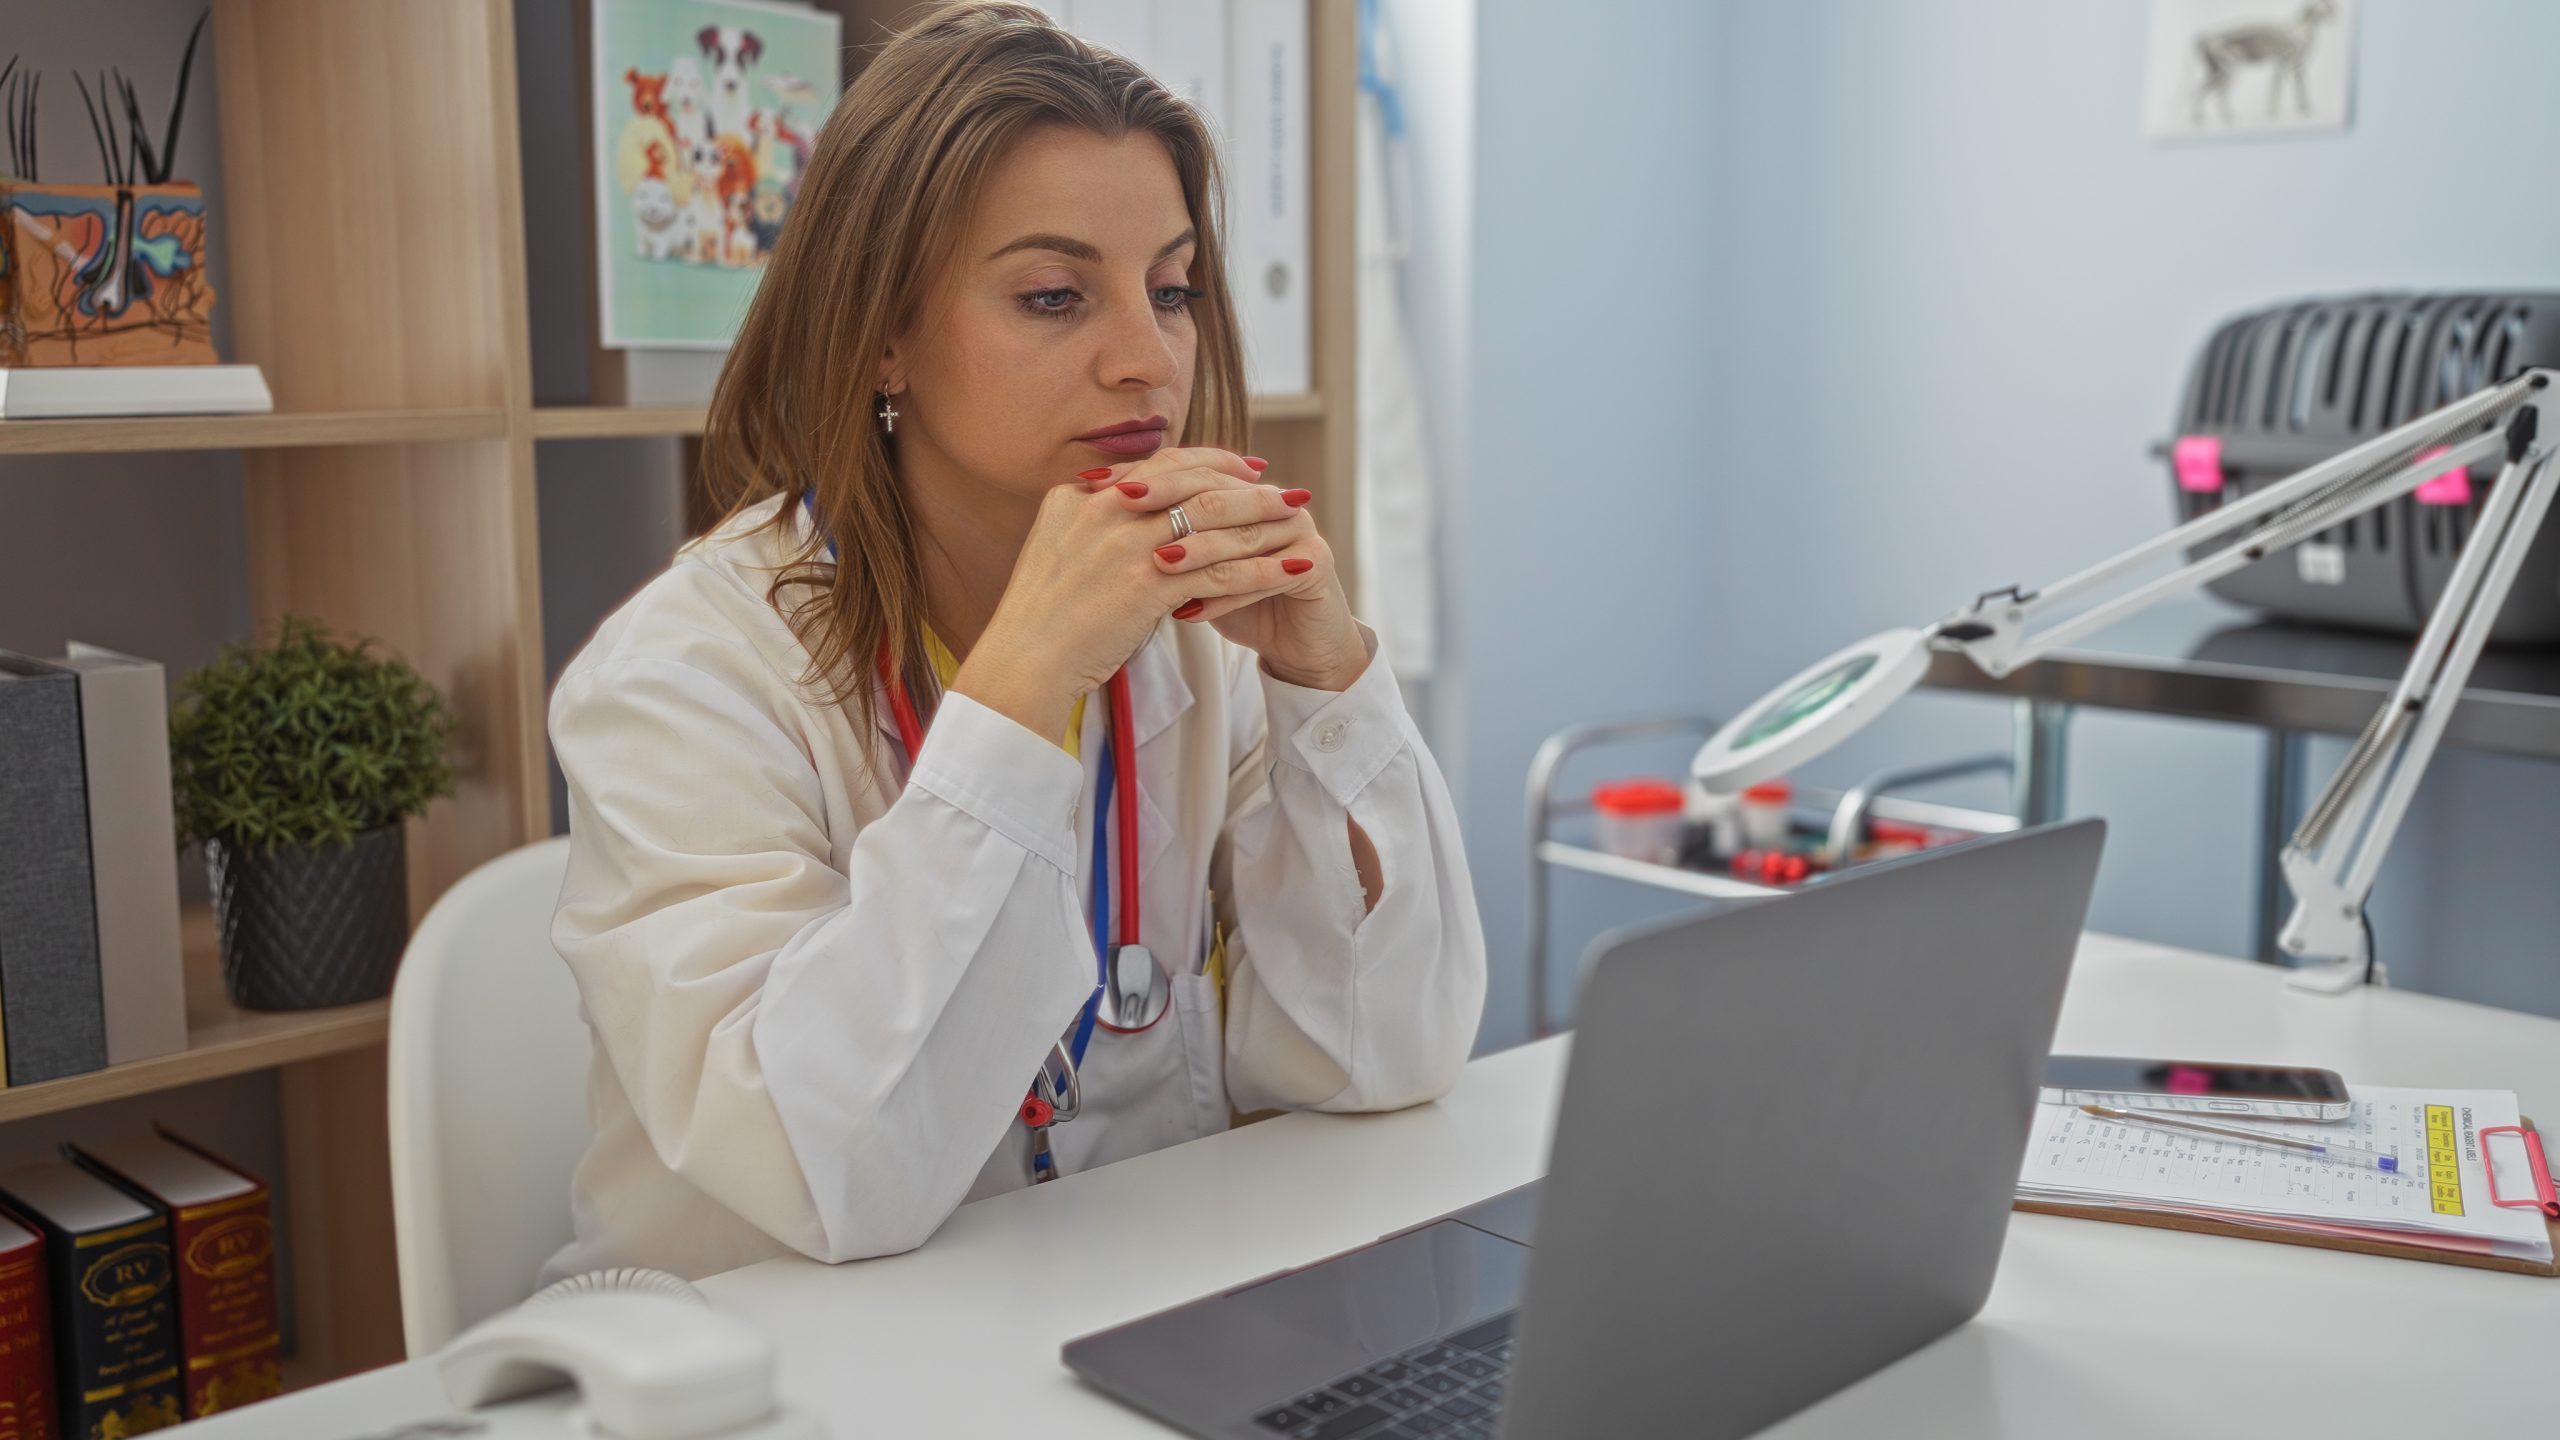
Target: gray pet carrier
{"type": "Point", "coordinates": [2282, 388]}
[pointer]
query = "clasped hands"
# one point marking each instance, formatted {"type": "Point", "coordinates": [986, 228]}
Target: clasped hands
{"type": "Point", "coordinates": [1103, 565]}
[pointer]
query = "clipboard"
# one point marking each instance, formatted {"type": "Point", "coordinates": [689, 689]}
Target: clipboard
{"type": "Point", "coordinates": [2544, 1199]}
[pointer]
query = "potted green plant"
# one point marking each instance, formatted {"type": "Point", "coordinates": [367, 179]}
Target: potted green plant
{"type": "Point", "coordinates": [294, 766]}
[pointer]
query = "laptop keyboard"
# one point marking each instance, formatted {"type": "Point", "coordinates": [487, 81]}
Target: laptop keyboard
{"type": "Point", "coordinates": [1448, 1389]}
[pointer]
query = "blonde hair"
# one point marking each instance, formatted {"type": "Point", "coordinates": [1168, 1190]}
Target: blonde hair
{"type": "Point", "coordinates": [885, 199]}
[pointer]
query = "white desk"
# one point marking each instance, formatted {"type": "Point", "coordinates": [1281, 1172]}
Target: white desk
{"type": "Point", "coordinates": [2092, 1329]}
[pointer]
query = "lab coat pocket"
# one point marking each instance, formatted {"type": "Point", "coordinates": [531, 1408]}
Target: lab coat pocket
{"type": "Point", "coordinates": [1204, 1048]}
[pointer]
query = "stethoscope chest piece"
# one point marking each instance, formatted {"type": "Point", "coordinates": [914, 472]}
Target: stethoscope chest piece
{"type": "Point", "coordinates": [1138, 992]}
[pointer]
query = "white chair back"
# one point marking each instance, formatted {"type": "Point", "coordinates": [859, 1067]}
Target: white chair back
{"type": "Point", "coordinates": [488, 1090]}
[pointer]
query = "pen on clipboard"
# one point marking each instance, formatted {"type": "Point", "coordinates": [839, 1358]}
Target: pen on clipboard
{"type": "Point", "coordinates": [2336, 1154]}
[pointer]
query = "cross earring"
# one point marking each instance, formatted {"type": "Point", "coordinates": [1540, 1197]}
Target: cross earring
{"type": "Point", "coordinates": [888, 414]}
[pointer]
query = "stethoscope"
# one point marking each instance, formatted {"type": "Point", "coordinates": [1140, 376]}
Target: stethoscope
{"type": "Point", "coordinates": [1126, 981]}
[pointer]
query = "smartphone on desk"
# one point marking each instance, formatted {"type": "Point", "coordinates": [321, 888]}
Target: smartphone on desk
{"type": "Point", "coordinates": [2196, 1087]}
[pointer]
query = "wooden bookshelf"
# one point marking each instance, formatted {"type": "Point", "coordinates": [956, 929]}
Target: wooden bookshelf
{"type": "Point", "coordinates": [222, 1039]}
{"type": "Point", "coordinates": [274, 431]}
{"type": "Point", "coordinates": [606, 422]}
{"type": "Point", "coordinates": [393, 493]}
{"type": "Point", "coordinates": [646, 421]}
{"type": "Point", "coordinates": [613, 422]}
{"type": "Point", "coordinates": [1309, 406]}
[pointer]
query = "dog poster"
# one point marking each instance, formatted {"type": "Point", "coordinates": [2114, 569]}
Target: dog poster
{"type": "Point", "coordinates": [705, 113]}
{"type": "Point", "coordinates": [2248, 67]}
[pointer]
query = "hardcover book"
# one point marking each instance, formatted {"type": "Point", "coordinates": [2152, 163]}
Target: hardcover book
{"type": "Point", "coordinates": [27, 1403]}
{"type": "Point", "coordinates": [133, 848]}
{"type": "Point", "coordinates": [223, 1250]}
{"type": "Point", "coordinates": [49, 1004]}
{"type": "Point", "coordinates": [115, 1324]}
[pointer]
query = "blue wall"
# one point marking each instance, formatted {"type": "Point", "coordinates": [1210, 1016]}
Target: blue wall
{"type": "Point", "coordinates": [1577, 530]}
{"type": "Point", "coordinates": [1797, 321]}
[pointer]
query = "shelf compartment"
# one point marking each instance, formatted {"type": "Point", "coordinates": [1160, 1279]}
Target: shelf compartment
{"type": "Point", "coordinates": [616, 422]}
{"type": "Point", "coordinates": [1285, 407]}
{"type": "Point", "coordinates": [281, 429]}
{"type": "Point", "coordinates": [222, 1038]}
{"type": "Point", "coordinates": [612, 422]}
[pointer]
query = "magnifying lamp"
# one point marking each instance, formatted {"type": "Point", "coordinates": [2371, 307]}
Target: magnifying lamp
{"type": "Point", "coordinates": [1829, 701]}
{"type": "Point", "coordinates": [2333, 858]}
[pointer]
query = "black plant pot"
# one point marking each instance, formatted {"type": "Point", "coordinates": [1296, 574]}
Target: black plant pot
{"type": "Point", "coordinates": [305, 928]}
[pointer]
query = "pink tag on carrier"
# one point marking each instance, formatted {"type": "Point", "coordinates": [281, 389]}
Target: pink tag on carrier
{"type": "Point", "coordinates": [2453, 487]}
{"type": "Point", "coordinates": [2198, 461]}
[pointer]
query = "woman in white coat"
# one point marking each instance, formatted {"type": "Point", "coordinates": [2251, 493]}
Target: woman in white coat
{"type": "Point", "coordinates": [836, 779]}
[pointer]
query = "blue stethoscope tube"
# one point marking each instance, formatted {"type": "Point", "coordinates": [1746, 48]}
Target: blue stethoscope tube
{"type": "Point", "coordinates": [1055, 1093]}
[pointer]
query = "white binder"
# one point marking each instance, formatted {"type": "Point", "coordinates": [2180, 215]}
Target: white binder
{"type": "Point", "coordinates": [1123, 25]}
{"type": "Point", "coordinates": [1267, 235]}
{"type": "Point", "coordinates": [1181, 42]}
{"type": "Point", "coordinates": [133, 850]}
{"type": "Point", "coordinates": [1187, 50]}
{"type": "Point", "coordinates": [1244, 63]}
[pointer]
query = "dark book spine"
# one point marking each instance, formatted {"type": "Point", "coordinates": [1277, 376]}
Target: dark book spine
{"type": "Point", "coordinates": [29, 1409]}
{"type": "Point", "coordinates": [223, 1256]}
{"type": "Point", "coordinates": [115, 1330]}
{"type": "Point", "coordinates": [50, 1003]}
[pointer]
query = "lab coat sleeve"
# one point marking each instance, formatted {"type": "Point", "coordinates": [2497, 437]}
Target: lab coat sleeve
{"type": "Point", "coordinates": [1331, 1006]}
{"type": "Point", "coordinates": [832, 1056]}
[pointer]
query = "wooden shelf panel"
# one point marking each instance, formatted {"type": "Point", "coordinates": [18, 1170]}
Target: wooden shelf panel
{"type": "Point", "coordinates": [610, 422]}
{"type": "Point", "coordinates": [1285, 407]}
{"type": "Point", "coordinates": [223, 1039]}
{"type": "Point", "coordinates": [279, 430]}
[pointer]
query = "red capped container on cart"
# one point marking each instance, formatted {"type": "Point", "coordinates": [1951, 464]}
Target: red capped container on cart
{"type": "Point", "coordinates": [1765, 809]}
{"type": "Point", "coordinates": [1638, 819]}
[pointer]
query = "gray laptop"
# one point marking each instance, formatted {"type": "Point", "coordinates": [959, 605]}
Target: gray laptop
{"type": "Point", "coordinates": [1784, 1157]}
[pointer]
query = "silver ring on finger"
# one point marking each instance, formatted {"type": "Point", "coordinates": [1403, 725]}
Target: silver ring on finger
{"type": "Point", "coordinates": [1181, 523]}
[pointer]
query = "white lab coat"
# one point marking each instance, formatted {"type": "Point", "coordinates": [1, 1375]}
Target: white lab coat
{"type": "Point", "coordinates": [818, 994]}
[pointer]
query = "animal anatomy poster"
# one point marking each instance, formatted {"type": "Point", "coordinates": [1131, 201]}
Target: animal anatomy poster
{"type": "Point", "coordinates": [705, 112]}
{"type": "Point", "coordinates": [2248, 67]}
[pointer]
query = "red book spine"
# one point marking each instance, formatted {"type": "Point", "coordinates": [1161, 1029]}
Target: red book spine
{"type": "Point", "coordinates": [27, 1410]}
{"type": "Point", "coordinates": [226, 1268]}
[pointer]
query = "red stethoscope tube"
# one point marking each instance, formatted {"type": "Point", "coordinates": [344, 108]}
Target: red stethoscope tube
{"type": "Point", "coordinates": [1124, 801]}
{"type": "Point", "coordinates": [1054, 1095]}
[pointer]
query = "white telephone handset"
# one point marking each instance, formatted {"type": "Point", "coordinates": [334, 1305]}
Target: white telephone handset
{"type": "Point", "coordinates": [646, 1366]}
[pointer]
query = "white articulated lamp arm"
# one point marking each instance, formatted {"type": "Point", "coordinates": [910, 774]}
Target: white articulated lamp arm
{"type": "Point", "coordinates": [2334, 857]}
{"type": "Point", "coordinates": [2336, 854]}
{"type": "Point", "coordinates": [1994, 632]}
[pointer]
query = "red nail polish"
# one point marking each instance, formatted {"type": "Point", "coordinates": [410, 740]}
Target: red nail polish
{"type": "Point", "coordinates": [1169, 554]}
{"type": "Point", "coordinates": [1297, 565]}
{"type": "Point", "coordinates": [1187, 609]}
{"type": "Point", "coordinates": [1257, 463]}
{"type": "Point", "coordinates": [1134, 489]}
{"type": "Point", "coordinates": [1093, 474]}
{"type": "Point", "coordinates": [1296, 498]}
